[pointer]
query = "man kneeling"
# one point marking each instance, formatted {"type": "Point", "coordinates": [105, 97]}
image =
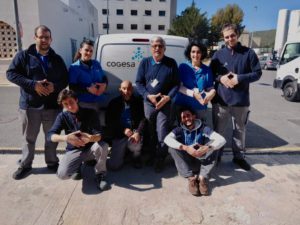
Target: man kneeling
{"type": "Point", "coordinates": [83, 136]}
{"type": "Point", "coordinates": [192, 146]}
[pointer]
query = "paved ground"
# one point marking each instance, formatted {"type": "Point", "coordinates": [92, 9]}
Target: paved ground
{"type": "Point", "coordinates": [269, 194]}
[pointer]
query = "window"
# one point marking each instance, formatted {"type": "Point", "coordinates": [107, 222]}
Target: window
{"type": "Point", "coordinates": [119, 12]}
{"type": "Point", "coordinates": [148, 0]}
{"type": "Point", "coordinates": [161, 27]}
{"type": "Point", "coordinates": [162, 13]}
{"type": "Point", "coordinates": [162, 0]}
{"type": "Point", "coordinates": [73, 46]}
{"type": "Point", "coordinates": [133, 12]}
{"type": "Point", "coordinates": [147, 27]}
{"type": "Point", "coordinates": [104, 11]}
{"type": "Point", "coordinates": [147, 12]}
{"type": "Point", "coordinates": [120, 26]}
{"type": "Point", "coordinates": [133, 27]}
{"type": "Point", "coordinates": [105, 26]}
{"type": "Point", "coordinates": [291, 52]}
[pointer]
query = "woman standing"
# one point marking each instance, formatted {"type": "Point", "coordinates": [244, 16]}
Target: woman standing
{"type": "Point", "coordinates": [196, 89]}
{"type": "Point", "coordinates": [86, 78]}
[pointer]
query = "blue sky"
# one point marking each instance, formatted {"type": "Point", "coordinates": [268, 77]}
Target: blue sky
{"type": "Point", "coordinates": [258, 14]}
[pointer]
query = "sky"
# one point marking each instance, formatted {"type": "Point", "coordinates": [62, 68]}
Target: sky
{"type": "Point", "coordinates": [258, 14]}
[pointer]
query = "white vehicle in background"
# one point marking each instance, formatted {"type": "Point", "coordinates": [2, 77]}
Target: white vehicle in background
{"type": "Point", "coordinates": [121, 54]}
{"type": "Point", "coordinates": [288, 74]}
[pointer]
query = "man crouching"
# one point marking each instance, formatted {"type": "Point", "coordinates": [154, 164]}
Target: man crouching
{"type": "Point", "coordinates": [83, 136]}
{"type": "Point", "coordinates": [192, 146]}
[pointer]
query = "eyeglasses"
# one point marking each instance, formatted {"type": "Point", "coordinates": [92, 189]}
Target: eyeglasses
{"type": "Point", "coordinates": [157, 46]}
{"type": "Point", "coordinates": [230, 36]}
{"type": "Point", "coordinates": [43, 37]}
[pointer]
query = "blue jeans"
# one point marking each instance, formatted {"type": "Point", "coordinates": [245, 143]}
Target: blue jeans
{"type": "Point", "coordinates": [158, 122]}
{"type": "Point", "coordinates": [188, 166]}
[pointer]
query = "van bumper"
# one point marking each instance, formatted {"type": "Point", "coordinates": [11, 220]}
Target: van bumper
{"type": "Point", "coordinates": [277, 83]}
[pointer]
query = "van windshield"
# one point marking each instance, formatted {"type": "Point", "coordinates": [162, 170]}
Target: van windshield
{"type": "Point", "coordinates": [291, 52]}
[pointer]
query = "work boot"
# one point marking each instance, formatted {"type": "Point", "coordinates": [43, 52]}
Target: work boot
{"type": "Point", "coordinates": [159, 165]}
{"type": "Point", "coordinates": [137, 162]}
{"type": "Point", "coordinates": [101, 182]}
{"type": "Point", "coordinates": [53, 167]}
{"type": "Point", "coordinates": [242, 163]}
{"type": "Point", "coordinates": [21, 173]}
{"type": "Point", "coordinates": [193, 186]}
{"type": "Point", "coordinates": [203, 186]}
{"type": "Point", "coordinates": [77, 175]}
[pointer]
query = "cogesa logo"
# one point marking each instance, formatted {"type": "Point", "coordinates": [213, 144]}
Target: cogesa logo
{"type": "Point", "coordinates": [137, 57]}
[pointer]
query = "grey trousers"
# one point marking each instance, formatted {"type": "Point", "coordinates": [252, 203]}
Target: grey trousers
{"type": "Point", "coordinates": [31, 120]}
{"type": "Point", "coordinates": [188, 166]}
{"type": "Point", "coordinates": [159, 127]}
{"type": "Point", "coordinates": [72, 160]}
{"type": "Point", "coordinates": [118, 150]}
{"type": "Point", "coordinates": [239, 118]}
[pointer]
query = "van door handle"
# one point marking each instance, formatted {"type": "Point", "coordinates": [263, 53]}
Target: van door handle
{"type": "Point", "coordinates": [297, 70]}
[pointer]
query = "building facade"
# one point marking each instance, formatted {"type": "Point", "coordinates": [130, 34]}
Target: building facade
{"type": "Point", "coordinates": [69, 20]}
{"type": "Point", "coordinates": [135, 16]}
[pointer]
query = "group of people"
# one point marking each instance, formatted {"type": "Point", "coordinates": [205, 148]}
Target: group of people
{"type": "Point", "coordinates": [165, 90]}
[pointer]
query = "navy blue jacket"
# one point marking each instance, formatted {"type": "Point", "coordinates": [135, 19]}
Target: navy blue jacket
{"type": "Point", "coordinates": [166, 72]}
{"type": "Point", "coordinates": [113, 114]}
{"type": "Point", "coordinates": [242, 61]}
{"type": "Point", "coordinates": [85, 120]}
{"type": "Point", "coordinates": [26, 68]}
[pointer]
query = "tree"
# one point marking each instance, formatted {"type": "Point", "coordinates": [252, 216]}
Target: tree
{"type": "Point", "coordinates": [230, 14]}
{"type": "Point", "coordinates": [191, 24]}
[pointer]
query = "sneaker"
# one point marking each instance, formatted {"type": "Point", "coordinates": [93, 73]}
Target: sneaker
{"type": "Point", "coordinates": [203, 186]}
{"type": "Point", "coordinates": [21, 173]}
{"type": "Point", "coordinates": [53, 168]}
{"type": "Point", "coordinates": [242, 163]}
{"type": "Point", "coordinates": [193, 186]}
{"type": "Point", "coordinates": [137, 162]}
{"type": "Point", "coordinates": [101, 182]}
{"type": "Point", "coordinates": [159, 165]}
{"type": "Point", "coordinates": [77, 175]}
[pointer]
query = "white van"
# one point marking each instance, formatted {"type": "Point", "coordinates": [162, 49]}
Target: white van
{"type": "Point", "coordinates": [288, 74]}
{"type": "Point", "coordinates": [120, 55]}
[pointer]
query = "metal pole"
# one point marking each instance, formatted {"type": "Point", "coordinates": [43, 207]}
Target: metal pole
{"type": "Point", "coordinates": [107, 12]}
{"type": "Point", "coordinates": [19, 41]}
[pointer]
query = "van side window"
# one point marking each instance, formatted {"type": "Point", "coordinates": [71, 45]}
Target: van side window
{"type": "Point", "coordinates": [291, 52]}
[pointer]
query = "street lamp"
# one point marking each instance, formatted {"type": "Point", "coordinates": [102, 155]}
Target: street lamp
{"type": "Point", "coordinates": [107, 25]}
{"type": "Point", "coordinates": [251, 40]}
{"type": "Point", "coordinates": [17, 25]}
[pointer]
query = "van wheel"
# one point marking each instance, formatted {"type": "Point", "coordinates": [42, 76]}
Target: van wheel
{"type": "Point", "coordinates": [290, 92]}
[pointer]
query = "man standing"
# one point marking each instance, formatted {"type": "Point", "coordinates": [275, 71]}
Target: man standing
{"type": "Point", "coordinates": [158, 81]}
{"type": "Point", "coordinates": [234, 68]}
{"type": "Point", "coordinates": [192, 146]}
{"type": "Point", "coordinates": [41, 75]}
{"type": "Point", "coordinates": [125, 122]}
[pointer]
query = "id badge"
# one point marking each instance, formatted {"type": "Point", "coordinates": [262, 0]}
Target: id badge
{"type": "Point", "coordinates": [154, 83]}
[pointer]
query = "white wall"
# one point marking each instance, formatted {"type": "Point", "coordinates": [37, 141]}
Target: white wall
{"type": "Point", "coordinates": [65, 22]}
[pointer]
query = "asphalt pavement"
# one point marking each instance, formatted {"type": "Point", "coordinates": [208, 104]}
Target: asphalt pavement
{"type": "Point", "coordinates": [268, 194]}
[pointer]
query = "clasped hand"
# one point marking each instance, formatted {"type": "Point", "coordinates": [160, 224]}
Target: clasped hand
{"type": "Point", "coordinates": [229, 80]}
{"type": "Point", "coordinates": [158, 100]}
{"type": "Point", "coordinates": [44, 87]}
{"type": "Point", "coordinates": [80, 139]}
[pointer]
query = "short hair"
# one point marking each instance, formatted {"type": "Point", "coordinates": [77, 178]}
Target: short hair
{"type": "Point", "coordinates": [159, 39]}
{"type": "Point", "coordinates": [201, 46]}
{"type": "Point", "coordinates": [183, 109]}
{"type": "Point", "coordinates": [43, 28]}
{"type": "Point", "coordinates": [230, 26]}
{"type": "Point", "coordinates": [65, 94]}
